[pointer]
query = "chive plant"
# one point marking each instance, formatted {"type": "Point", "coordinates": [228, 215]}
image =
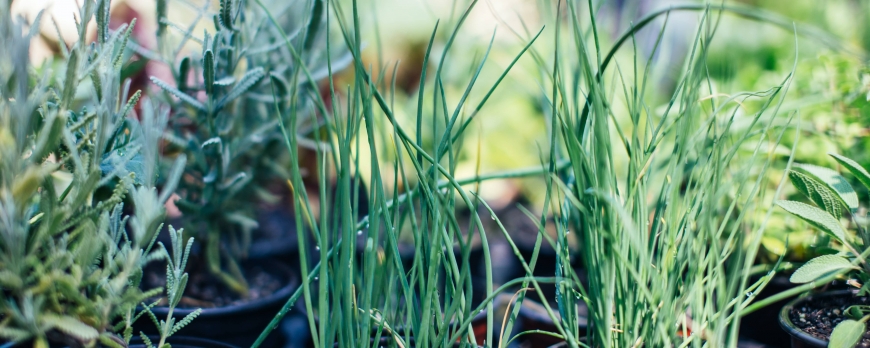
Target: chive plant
{"type": "Point", "coordinates": [657, 200]}
{"type": "Point", "coordinates": [663, 237]}
{"type": "Point", "coordinates": [356, 296]}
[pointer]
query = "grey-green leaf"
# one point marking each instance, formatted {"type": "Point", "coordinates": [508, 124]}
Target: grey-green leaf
{"type": "Point", "coordinates": [181, 95]}
{"type": "Point", "coordinates": [817, 192]}
{"type": "Point", "coordinates": [208, 72]}
{"type": "Point", "coordinates": [855, 168]}
{"type": "Point", "coordinates": [70, 326]}
{"type": "Point", "coordinates": [819, 267]}
{"type": "Point", "coordinates": [836, 182]}
{"type": "Point", "coordinates": [816, 217]}
{"type": "Point", "coordinates": [847, 333]}
{"type": "Point", "coordinates": [250, 79]}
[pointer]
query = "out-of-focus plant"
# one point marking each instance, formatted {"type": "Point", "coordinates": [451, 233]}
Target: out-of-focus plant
{"type": "Point", "coordinates": [176, 281]}
{"type": "Point", "coordinates": [223, 117]}
{"type": "Point", "coordinates": [70, 260]}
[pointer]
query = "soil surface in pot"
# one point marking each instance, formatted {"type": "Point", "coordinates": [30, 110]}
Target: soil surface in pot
{"type": "Point", "coordinates": [819, 316]}
{"type": "Point", "coordinates": [204, 290]}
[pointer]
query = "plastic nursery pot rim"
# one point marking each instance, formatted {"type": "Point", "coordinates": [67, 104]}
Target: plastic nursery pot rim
{"type": "Point", "coordinates": [277, 298]}
{"type": "Point", "coordinates": [795, 332]}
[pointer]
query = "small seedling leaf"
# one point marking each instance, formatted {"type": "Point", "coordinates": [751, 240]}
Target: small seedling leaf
{"type": "Point", "coordinates": [856, 312]}
{"type": "Point", "coordinates": [816, 217]}
{"type": "Point", "coordinates": [847, 334]}
{"type": "Point", "coordinates": [819, 267]}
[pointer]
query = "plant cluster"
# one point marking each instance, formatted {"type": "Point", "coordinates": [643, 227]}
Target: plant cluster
{"type": "Point", "coordinates": [223, 117]}
{"type": "Point", "coordinates": [664, 239]}
{"type": "Point", "coordinates": [73, 162]}
{"type": "Point", "coordinates": [833, 198]}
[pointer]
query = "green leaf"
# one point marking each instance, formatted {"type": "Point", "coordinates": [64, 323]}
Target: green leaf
{"type": "Point", "coordinates": [208, 72]}
{"type": "Point", "coordinates": [816, 217]}
{"type": "Point", "coordinates": [847, 334]}
{"type": "Point", "coordinates": [181, 95]}
{"type": "Point", "coordinates": [819, 267]}
{"type": "Point", "coordinates": [116, 62]}
{"type": "Point", "coordinates": [184, 321]}
{"type": "Point", "coordinates": [70, 326]}
{"type": "Point", "coordinates": [226, 13]}
{"type": "Point", "coordinates": [50, 135]}
{"type": "Point", "coordinates": [14, 334]}
{"type": "Point", "coordinates": [183, 70]}
{"type": "Point", "coordinates": [250, 79]}
{"type": "Point", "coordinates": [836, 183]}
{"type": "Point", "coordinates": [71, 80]}
{"type": "Point", "coordinates": [817, 192]}
{"type": "Point", "coordinates": [178, 290]}
{"type": "Point", "coordinates": [856, 169]}
{"type": "Point", "coordinates": [131, 103]}
{"type": "Point", "coordinates": [146, 340]}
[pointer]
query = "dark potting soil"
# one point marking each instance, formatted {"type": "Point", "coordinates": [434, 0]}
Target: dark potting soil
{"type": "Point", "coordinates": [821, 315]}
{"type": "Point", "coordinates": [204, 290]}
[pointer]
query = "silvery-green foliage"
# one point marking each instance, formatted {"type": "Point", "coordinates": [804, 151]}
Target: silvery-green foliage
{"type": "Point", "coordinates": [223, 117]}
{"type": "Point", "coordinates": [176, 281]}
{"type": "Point", "coordinates": [70, 157]}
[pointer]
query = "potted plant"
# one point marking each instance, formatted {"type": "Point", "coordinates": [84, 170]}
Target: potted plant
{"type": "Point", "coordinates": [352, 297]}
{"type": "Point", "coordinates": [233, 195]}
{"type": "Point", "coordinates": [656, 199]}
{"type": "Point", "coordinates": [833, 318]}
{"type": "Point", "coordinates": [71, 255]}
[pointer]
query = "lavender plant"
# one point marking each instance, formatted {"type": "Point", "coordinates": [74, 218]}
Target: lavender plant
{"type": "Point", "coordinates": [223, 118]}
{"type": "Point", "coordinates": [71, 256]}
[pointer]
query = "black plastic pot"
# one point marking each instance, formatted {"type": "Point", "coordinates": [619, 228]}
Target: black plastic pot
{"type": "Point", "coordinates": [182, 342]}
{"type": "Point", "coordinates": [761, 326]}
{"type": "Point", "coordinates": [238, 325]}
{"type": "Point", "coordinates": [799, 338]}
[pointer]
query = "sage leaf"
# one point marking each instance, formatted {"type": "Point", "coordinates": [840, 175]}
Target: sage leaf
{"type": "Point", "coordinates": [817, 192]}
{"type": "Point", "coordinates": [836, 182]}
{"type": "Point", "coordinates": [854, 168]}
{"type": "Point", "coordinates": [847, 334]}
{"type": "Point", "coordinates": [816, 217]}
{"type": "Point", "coordinates": [819, 267]}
